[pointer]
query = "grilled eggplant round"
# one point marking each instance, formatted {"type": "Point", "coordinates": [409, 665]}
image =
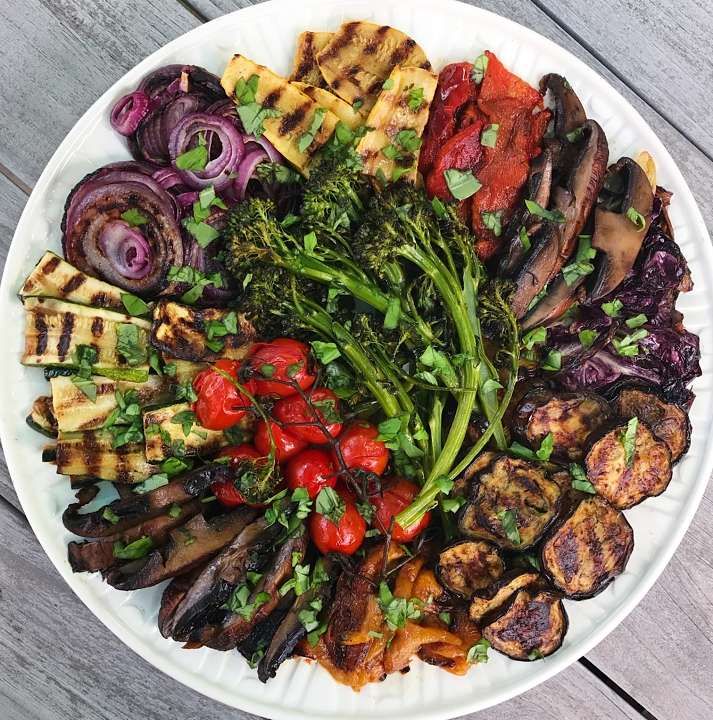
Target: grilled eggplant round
{"type": "Point", "coordinates": [570, 417]}
{"type": "Point", "coordinates": [667, 421]}
{"type": "Point", "coordinates": [531, 626]}
{"type": "Point", "coordinates": [626, 478]}
{"type": "Point", "coordinates": [512, 503]}
{"type": "Point", "coordinates": [588, 549]}
{"type": "Point", "coordinates": [487, 601]}
{"type": "Point", "coordinates": [468, 566]}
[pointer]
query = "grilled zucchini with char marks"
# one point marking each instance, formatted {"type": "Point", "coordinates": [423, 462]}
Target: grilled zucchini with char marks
{"type": "Point", "coordinates": [625, 484]}
{"type": "Point", "coordinates": [570, 417]}
{"type": "Point", "coordinates": [512, 502]}
{"type": "Point", "coordinates": [468, 566]}
{"type": "Point", "coordinates": [487, 601]}
{"type": "Point", "coordinates": [588, 550]}
{"type": "Point", "coordinates": [304, 65]}
{"type": "Point", "coordinates": [667, 421]}
{"type": "Point", "coordinates": [532, 625]}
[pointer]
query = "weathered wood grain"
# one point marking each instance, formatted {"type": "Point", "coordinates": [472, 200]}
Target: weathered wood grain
{"type": "Point", "coordinates": [660, 49]}
{"type": "Point", "coordinates": [58, 56]}
{"type": "Point", "coordinates": [59, 662]}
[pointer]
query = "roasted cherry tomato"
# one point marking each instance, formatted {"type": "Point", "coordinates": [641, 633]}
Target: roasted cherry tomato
{"type": "Point", "coordinates": [361, 450]}
{"type": "Point", "coordinates": [224, 490]}
{"type": "Point", "coordinates": [277, 364]}
{"type": "Point", "coordinates": [313, 470]}
{"type": "Point", "coordinates": [396, 495]}
{"type": "Point", "coordinates": [286, 444]}
{"type": "Point", "coordinates": [220, 404]}
{"type": "Point", "coordinates": [298, 416]}
{"type": "Point", "coordinates": [346, 536]}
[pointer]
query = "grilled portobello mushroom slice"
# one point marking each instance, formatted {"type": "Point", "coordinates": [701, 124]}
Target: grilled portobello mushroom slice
{"type": "Point", "coordinates": [531, 626]}
{"type": "Point", "coordinates": [588, 549]}
{"type": "Point", "coordinates": [570, 417]}
{"type": "Point", "coordinates": [172, 596]}
{"type": "Point", "coordinates": [667, 421]}
{"type": "Point", "coordinates": [485, 602]}
{"type": "Point", "coordinates": [512, 502]}
{"type": "Point", "coordinates": [469, 565]}
{"type": "Point", "coordinates": [626, 470]}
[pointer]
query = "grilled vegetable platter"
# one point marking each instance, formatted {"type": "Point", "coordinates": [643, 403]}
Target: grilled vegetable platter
{"type": "Point", "coordinates": [370, 360]}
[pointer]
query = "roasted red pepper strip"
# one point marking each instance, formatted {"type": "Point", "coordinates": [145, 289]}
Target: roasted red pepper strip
{"type": "Point", "coordinates": [463, 151]}
{"type": "Point", "coordinates": [455, 88]}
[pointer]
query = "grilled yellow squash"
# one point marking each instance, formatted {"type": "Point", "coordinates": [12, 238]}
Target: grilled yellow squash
{"type": "Point", "coordinates": [297, 111]}
{"type": "Point", "coordinates": [329, 101]}
{"type": "Point", "coordinates": [397, 120]}
{"type": "Point", "coordinates": [54, 277]}
{"type": "Point", "coordinates": [304, 66]}
{"type": "Point", "coordinates": [361, 55]}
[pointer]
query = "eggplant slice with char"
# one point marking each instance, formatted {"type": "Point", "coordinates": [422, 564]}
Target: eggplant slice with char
{"type": "Point", "coordinates": [531, 626]}
{"type": "Point", "coordinates": [667, 421]}
{"type": "Point", "coordinates": [626, 471]}
{"type": "Point", "coordinates": [512, 503]}
{"type": "Point", "coordinates": [469, 565]}
{"type": "Point", "coordinates": [485, 602]}
{"type": "Point", "coordinates": [570, 417]}
{"type": "Point", "coordinates": [588, 549]}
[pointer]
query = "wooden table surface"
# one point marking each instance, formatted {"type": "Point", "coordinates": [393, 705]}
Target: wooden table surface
{"type": "Point", "coordinates": [57, 661]}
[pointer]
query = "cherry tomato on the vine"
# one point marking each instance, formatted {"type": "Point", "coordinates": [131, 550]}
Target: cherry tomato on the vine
{"type": "Point", "coordinates": [220, 404]}
{"type": "Point", "coordinates": [313, 470]}
{"type": "Point", "coordinates": [224, 490]}
{"type": "Point", "coordinates": [287, 445]}
{"type": "Point", "coordinates": [279, 365]}
{"type": "Point", "coordinates": [361, 450]}
{"type": "Point", "coordinates": [396, 495]}
{"type": "Point", "coordinates": [346, 536]}
{"type": "Point", "coordinates": [299, 416]}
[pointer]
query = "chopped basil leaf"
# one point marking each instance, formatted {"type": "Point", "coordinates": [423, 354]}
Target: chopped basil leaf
{"type": "Point", "coordinates": [415, 98]}
{"type": "Point", "coordinates": [174, 466]}
{"type": "Point", "coordinates": [535, 655]}
{"type": "Point", "coordinates": [489, 136]}
{"type": "Point", "coordinates": [133, 217]}
{"type": "Point", "coordinates": [388, 84]}
{"type": "Point", "coordinates": [246, 90]}
{"type": "Point", "coordinates": [128, 344]}
{"type": "Point", "coordinates": [330, 504]}
{"type": "Point", "coordinates": [253, 115]}
{"type": "Point", "coordinates": [480, 67]}
{"type": "Point", "coordinates": [307, 138]}
{"type": "Point", "coordinates": [438, 207]}
{"type": "Point", "coordinates": [538, 211]}
{"type": "Point", "coordinates": [110, 515]}
{"type": "Point", "coordinates": [579, 479]}
{"type": "Point", "coordinates": [524, 239]}
{"type": "Point", "coordinates": [134, 305]}
{"type": "Point", "coordinates": [628, 345]}
{"type": "Point", "coordinates": [445, 617]}
{"type": "Point", "coordinates": [357, 105]}
{"type": "Point", "coordinates": [133, 551]}
{"type": "Point", "coordinates": [576, 134]}
{"type": "Point", "coordinates": [325, 352]}
{"type": "Point", "coordinates": [186, 419]}
{"type": "Point", "coordinates": [587, 337]}
{"type": "Point", "coordinates": [636, 217]}
{"type": "Point", "coordinates": [508, 521]}
{"type": "Point", "coordinates": [175, 511]}
{"type": "Point", "coordinates": [493, 221]}
{"type": "Point", "coordinates": [86, 386]}
{"type": "Point", "coordinates": [553, 361]}
{"type": "Point", "coordinates": [397, 610]}
{"type": "Point", "coordinates": [478, 653]}
{"type": "Point", "coordinates": [581, 267]}
{"type": "Point", "coordinates": [613, 309]}
{"type": "Point", "coordinates": [628, 439]}
{"type": "Point", "coordinates": [462, 184]}
{"type": "Point", "coordinates": [201, 231]}
{"type": "Point", "coordinates": [194, 159]}
{"type": "Point", "coordinates": [637, 321]}
{"type": "Point", "coordinates": [546, 447]}
{"type": "Point", "coordinates": [534, 337]}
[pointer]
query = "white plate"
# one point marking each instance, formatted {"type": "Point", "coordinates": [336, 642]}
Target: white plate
{"type": "Point", "coordinates": [447, 31]}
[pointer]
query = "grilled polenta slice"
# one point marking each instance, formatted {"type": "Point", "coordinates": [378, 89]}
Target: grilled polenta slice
{"type": "Point", "coordinates": [397, 121]}
{"type": "Point", "coordinates": [181, 332]}
{"type": "Point", "coordinates": [361, 55]}
{"type": "Point", "coordinates": [297, 110]}
{"type": "Point", "coordinates": [55, 329]}
{"type": "Point", "coordinates": [329, 101]}
{"type": "Point", "coordinates": [54, 277]}
{"type": "Point", "coordinates": [304, 66]}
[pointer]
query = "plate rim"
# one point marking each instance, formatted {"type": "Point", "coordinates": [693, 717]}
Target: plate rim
{"type": "Point", "coordinates": [541, 671]}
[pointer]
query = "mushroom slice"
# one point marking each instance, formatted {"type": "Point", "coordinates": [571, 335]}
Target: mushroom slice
{"type": "Point", "coordinates": [532, 626]}
{"type": "Point", "coordinates": [569, 417]}
{"type": "Point", "coordinates": [469, 565]}
{"type": "Point", "coordinates": [487, 601]}
{"type": "Point", "coordinates": [588, 549]}
{"type": "Point", "coordinates": [629, 464]}
{"type": "Point", "coordinates": [569, 113]}
{"type": "Point", "coordinates": [621, 221]}
{"type": "Point", "coordinates": [512, 502]}
{"type": "Point", "coordinates": [667, 421]}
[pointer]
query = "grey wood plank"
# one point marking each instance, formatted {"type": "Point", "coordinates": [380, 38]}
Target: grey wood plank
{"type": "Point", "coordinates": [661, 49]}
{"type": "Point", "coordinates": [59, 662]}
{"type": "Point", "coordinates": [58, 56]}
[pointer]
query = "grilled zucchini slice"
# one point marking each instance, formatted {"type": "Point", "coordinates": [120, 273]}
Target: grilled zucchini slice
{"type": "Point", "coordinates": [667, 421]}
{"type": "Point", "coordinates": [181, 332]}
{"type": "Point", "coordinates": [625, 484]}
{"type": "Point", "coordinates": [75, 412]}
{"type": "Point", "coordinates": [54, 277]}
{"type": "Point", "coordinates": [304, 66]}
{"type": "Point", "coordinates": [185, 369]}
{"type": "Point", "coordinates": [164, 431]}
{"type": "Point", "coordinates": [42, 418]}
{"type": "Point", "coordinates": [54, 329]}
{"type": "Point", "coordinates": [469, 565]}
{"type": "Point", "coordinates": [329, 101]}
{"type": "Point", "coordinates": [512, 502]}
{"type": "Point", "coordinates": [361, 55]}
{"type": "Point", "coordinates": [396, 123]}
{"type": "Point", "coordinates": [570, 417]}
{"type": "Point", "coordinates": [532, 626]}
{"type": "Point", "coordinates": [588, 549]}
{"type": "Point", "coordinates": [297, 110]}
{"type": "Point", "coordinates": [92, 453]}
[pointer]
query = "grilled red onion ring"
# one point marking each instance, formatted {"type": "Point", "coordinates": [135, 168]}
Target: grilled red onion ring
{"type": "Point", "coordinates": [129, 111]}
